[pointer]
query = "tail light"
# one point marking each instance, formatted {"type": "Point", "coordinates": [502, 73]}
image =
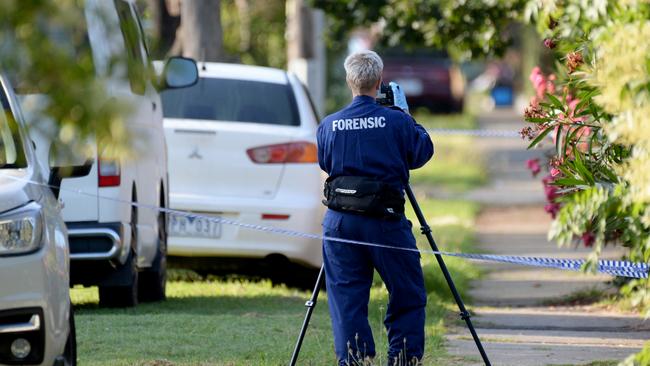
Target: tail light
{"type": "Point", "coordinates": [109, 173]}
{"type": "Point", "coordinates": [275, 217]}
{"type": "Point", "coordinates": [293, 152]}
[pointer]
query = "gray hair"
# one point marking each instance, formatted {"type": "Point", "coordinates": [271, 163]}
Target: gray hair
{"type": "Point", "coordinates": [363, 70]}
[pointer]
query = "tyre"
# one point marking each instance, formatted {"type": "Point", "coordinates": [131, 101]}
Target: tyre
{"type": "Point", "coordinates": [70, 352]}
{"type": "Point", "coordinates": [126, 295]}
{"type": "Point", "coordinates": [122, 296]}
{"type": "Point", "coordinates": [69, 356]}
{"type": "Point", "coordinates": [153, 281]}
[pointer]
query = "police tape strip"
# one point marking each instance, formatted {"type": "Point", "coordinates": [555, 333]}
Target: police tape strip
{"type": "Point", "coordinates": [478, 133]}
{"type": "Point", "coordinates": [610, 267]}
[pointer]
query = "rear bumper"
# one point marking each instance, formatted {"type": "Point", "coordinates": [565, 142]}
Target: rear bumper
{"type": "Point", "coordinates": [238, 242]}
{"type": "Point", "coordinates": [97, 241]}
{"type": "Point", "coordinates": [97, 252]}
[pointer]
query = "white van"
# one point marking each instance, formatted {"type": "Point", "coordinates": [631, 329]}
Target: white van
{"type": "Point", "coordinates": [116, 246]}
{"type": "Point", "coordinates": [36, 318]}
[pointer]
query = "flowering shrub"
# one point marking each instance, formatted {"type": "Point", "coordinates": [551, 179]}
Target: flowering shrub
{"type": "Point", "coordinates": [597, 111]}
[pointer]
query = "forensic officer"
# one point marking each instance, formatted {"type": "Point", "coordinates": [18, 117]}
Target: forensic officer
{"type": "Point", "coordinates": [367, 150]}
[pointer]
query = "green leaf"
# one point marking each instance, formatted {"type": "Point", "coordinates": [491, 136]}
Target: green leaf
{"type": "Point", "coordinates": [538, 119]}
{"type": "Point", "coordinates": [558, 142]}
{"type": "Point", "coordinates": [582, 169]}
{"type": "Point", "coordinates": [556, 102]}
{"type": "Point", "coordinates": [569, 182]}
{"type": "Point", "coordinates": [584, 99]}
{"type": "Point", "coordinates": [564, 168]}
{"type": "Point", "coordinates": [540, 137]}
{"type": "Point", "coordinates": [608, 173]}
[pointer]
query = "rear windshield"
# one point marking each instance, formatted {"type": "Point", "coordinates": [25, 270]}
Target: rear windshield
{"type": "Point", "coordinates": [12, 155]}
{"type": "Point", "coordinates": [233, 100]}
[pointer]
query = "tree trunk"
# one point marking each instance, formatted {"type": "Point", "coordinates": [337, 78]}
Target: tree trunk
{"type": "Point", "coordinates": [306, 48]}
{"type": "Point", "coordinates": [244, 11]}
{"type": "Point", "coordinates": [165, 19]}
{"type": "Point", "coordinates": [201, 30]}
{"type": "Point", "coordinates": [299, 30]}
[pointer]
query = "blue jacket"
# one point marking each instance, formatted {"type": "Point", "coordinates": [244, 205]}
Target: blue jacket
{"type": "Point", "coordinates": [366, 139]}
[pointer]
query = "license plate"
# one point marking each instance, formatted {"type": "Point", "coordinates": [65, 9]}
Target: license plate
{"type": "Point", "coordinates": [194, 227]}
{"type": "Point", "coordinates": [411, 87]}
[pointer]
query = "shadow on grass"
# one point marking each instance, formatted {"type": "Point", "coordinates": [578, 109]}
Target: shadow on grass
{"type": "Point", "coordinates": [208, 305]}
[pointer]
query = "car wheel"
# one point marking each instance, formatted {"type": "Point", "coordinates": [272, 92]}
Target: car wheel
{"type": "Point", "coordinates": [124, 295]}
{"type": "Point", "coordinates": [153, 281]}
{"type": "Point", "coordinates": [70, 352]}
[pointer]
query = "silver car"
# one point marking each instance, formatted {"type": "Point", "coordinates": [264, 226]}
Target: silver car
{"type": "Point", "coordinates": [36, 317]}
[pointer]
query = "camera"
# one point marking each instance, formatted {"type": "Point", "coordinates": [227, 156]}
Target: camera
{"type": "Point", "coordinates": [392, 96]}
{"type": "Point", "coordinates": [385, 95]}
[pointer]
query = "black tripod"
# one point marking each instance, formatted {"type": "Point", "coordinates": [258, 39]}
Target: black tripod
{"type": "Point", "coordinates": [426, 230]}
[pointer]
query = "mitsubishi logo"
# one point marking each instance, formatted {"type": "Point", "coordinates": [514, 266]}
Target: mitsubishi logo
{"type": "Point", "coordinates": [195, 154]}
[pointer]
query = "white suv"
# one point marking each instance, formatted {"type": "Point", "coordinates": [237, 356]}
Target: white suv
{"type": "Point", "coordinates": [114, 245]}
{"type": "Point", "coordinates": [36, 319]}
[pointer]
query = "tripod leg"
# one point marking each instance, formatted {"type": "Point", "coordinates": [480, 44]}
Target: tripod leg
{"type": "Point", "coordinates": [311, 304]}
{"type": "Point", "coordinates": [464, 314]}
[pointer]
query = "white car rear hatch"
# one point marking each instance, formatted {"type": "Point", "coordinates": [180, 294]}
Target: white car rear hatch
{"type": "Point", "coordinates": [230, 134]}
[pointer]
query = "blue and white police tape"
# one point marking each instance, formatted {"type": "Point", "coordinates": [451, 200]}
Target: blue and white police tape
{"type": "Point", "coordinates": [477, 133]}
{"type": "Point", "coordinates": [610, 267]}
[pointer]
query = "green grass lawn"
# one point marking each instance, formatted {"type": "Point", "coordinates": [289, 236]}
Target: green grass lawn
{"type": "Point", "coordinates": [255, 323]}
{"type": "Point", "coordinates": [455, 121]}
{"type": "Point", "coordinates": [457, 165]}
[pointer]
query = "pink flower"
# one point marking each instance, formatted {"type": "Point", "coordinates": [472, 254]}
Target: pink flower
{"type": "Point", "coordinates": [533, 165]}
{"type": "Point", "coordinates": [552, 208]}
{"type": "Point", "coordinates": [555, 172]}
{"type": "Point", "coordinates": [536, 77]}
{"type": "Point", "coordinates": [549, 43]}
{"type": "Point", "coordinates": [550, 87]}
{"type": "Point", "coordinates": [534, 72]}
{"type": "Point", "coordinates": [551, 192]}
{"type": "Point", "coordinates": [588, 238]}
{"type": "Point", "coordinates": [541, 83]}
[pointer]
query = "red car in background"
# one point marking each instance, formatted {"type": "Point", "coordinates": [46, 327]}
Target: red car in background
{"type": "Point", "coordinates": [429, 79]}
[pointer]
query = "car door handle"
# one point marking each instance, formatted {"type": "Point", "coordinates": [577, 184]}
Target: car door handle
{"type": "Point", "coordinates": [200, 132]}
{"type": "Point", "coordinates": [153, 105]}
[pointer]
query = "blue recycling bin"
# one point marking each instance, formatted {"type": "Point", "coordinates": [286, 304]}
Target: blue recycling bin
{"type": "Point", "coordinates": [502, 96]}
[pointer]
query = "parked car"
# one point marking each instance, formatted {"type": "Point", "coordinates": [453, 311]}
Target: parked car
{"type": "Point", "coordinates": [242, 145]}
{"type": "Point", "coordinates": [36, 317]}
{"type": "Point", "coordinates": [429, 79]}
{"type": "Point", "coordinates": [116, 246]}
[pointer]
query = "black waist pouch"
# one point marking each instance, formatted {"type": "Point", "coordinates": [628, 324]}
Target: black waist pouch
{"type": "Point", "coordinates": [363, 195]}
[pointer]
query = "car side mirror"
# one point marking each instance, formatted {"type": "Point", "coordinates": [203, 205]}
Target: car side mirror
{"type": "Point", "coordinates": [179, 72]}
{"type": "Point", "coordinates": [66, 166]}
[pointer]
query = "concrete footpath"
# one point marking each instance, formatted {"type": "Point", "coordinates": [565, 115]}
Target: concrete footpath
{"type": "Point", "coordinates": [513, 317]}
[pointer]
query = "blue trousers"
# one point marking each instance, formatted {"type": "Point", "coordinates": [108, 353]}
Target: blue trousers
{"type": "Point", "coordinates": [349, 270]}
